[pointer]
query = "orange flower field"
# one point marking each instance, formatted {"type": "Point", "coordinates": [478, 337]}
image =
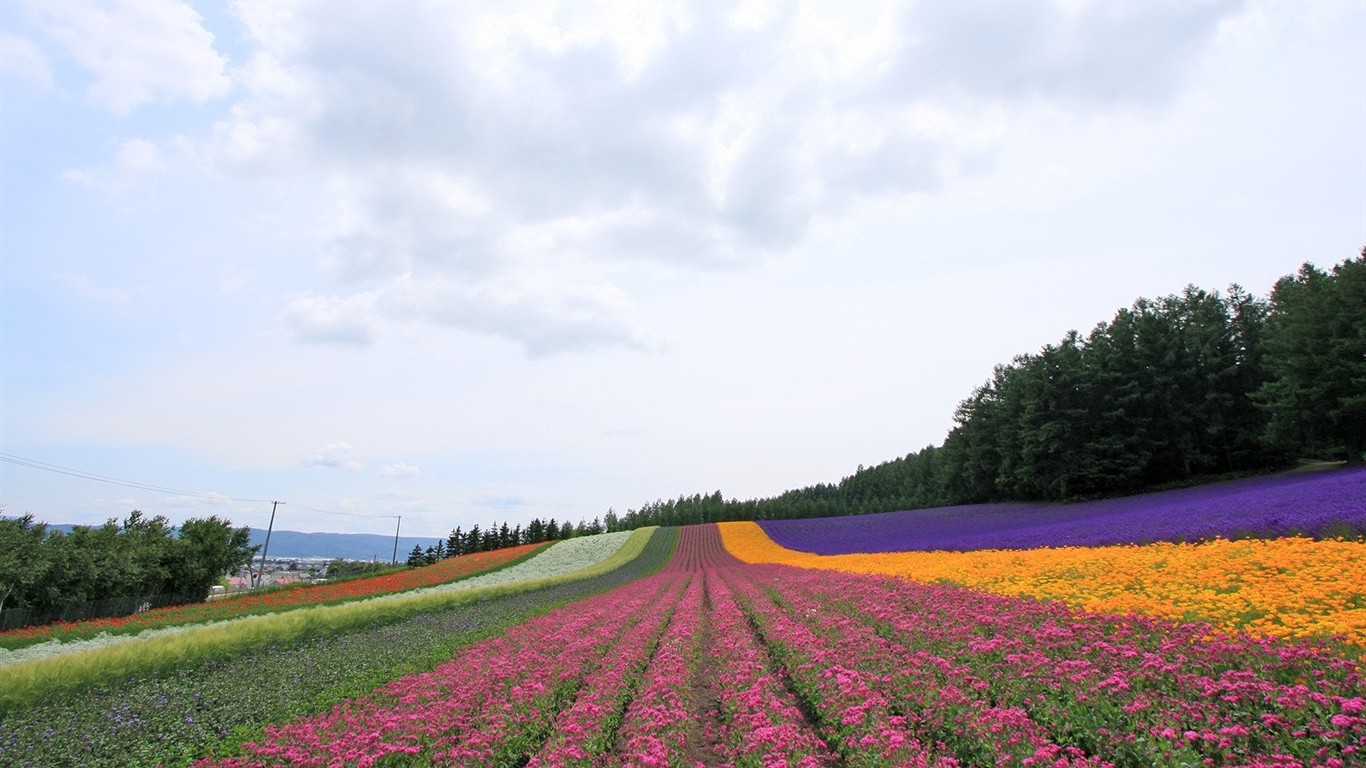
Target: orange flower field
{"type": "Point", "coordinates": [1288, 587]}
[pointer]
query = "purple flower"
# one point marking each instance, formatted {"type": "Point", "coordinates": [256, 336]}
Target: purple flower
{"type": "Point", "coordinates": [1317, 504]}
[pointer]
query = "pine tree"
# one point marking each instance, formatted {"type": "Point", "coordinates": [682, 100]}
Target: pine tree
{"type": "Point", "coordinates": [415, 558]}
{"type": "Point", "coordinates": [1316, 357]}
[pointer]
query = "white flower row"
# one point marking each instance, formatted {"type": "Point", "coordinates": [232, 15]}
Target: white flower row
{"type": "Point", "coordinates": [559, 558]}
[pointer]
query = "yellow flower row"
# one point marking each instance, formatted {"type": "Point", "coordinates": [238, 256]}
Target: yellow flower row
{"type": "Point", "coordinates": [1293, 587]}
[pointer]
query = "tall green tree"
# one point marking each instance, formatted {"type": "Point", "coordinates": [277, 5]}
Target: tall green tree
{"type": "Point", "coordinates": [1053, 428]}
{"type": "Point", "coordinates": [1116, 455]}
{"type": "Point", "coordinates": [1316, 358]}
{"type": "Point", "coordinates": [205, 551]}
{"type": "Point", "coordinates": [23, 562]}
{"type": "Point", "coordinates": [416, 558]}
{"type": "Point", "coordinates": [455, 542]}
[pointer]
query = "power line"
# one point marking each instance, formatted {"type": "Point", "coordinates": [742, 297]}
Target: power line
{"type": "Point", "coordinates": [58, 469]}
{"type": "Point", "coordinates": [297, 505]}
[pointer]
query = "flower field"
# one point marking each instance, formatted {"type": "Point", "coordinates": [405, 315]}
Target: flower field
{"type": "Point", "coordinates": [714, 645]}
{"type": "Point", "coordinates": [1293, 587]}
{"type": "Point", "coordinates": [1316, 504]}
{"type": "Point", "coordinates": [558, 559]}
{"type": "Point", "coordinates": [172, 714]}
{"type": "Point", "coordinates": [273, 601]}
{"type": "Point", "coordinates": [509, 566]}
{"type": "Point", "coordinates": [713, 662]}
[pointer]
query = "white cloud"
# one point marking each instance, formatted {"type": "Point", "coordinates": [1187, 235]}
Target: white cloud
{"type": "Point", "coordinates": [233, 281]}
{"type": "Point", "coordinates": [459, 150]}
{"type": "Point", "coordinates": [335, 456]}
{"type": "Point", "coordinates": [22, 58]}
{"type": "Point", "coordinates": [399, 470]}
{"type": "Point", "coordinates": [135, 160]}
{"type": "Point", "coordinates": [766, 202]}
{"type": "Point", "coordinates": [1085, 55]}
{"type": "Point", "coordinates": [542, 313]}
{"type": "Point", "coordinates": [205, 499]}
{"type": "Point", "coordinates": [86, 288]}
{"type": "Point", "coordinates": [139, 51]}
{"type": "Point", "coordinates": [499, 498]}
{"type": "Point", "coordinates": [330, 320]}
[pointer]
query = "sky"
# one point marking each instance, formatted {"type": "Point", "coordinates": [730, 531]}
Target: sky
{"type": "Point", "coordinates": [463, 262]}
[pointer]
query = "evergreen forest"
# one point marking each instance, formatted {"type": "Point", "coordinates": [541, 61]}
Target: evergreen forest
{"type": "Point", "coordinates": [1170, 391]}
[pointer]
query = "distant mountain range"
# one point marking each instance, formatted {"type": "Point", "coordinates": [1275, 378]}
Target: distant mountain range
{"type": "Point", "coordinates": [343, 546]}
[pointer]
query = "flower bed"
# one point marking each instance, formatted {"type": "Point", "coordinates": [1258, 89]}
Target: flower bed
{"type": "Point", "coordinates": [1293, 587]}
{"type": "Point", "coordinates": [168, 715]}
{"type": "Point", "coordinates": [768, 665]}
{"type": "Point", "coordinates": [558, 559]}
{"type": "Point", "coordinates": [898, 673]}
{"type": "Point", "coordinates": [718, 662]}
{"type": "Point", "coordinates": [1320, 504]}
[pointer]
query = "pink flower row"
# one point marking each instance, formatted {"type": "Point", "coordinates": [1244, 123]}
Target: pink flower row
{"type": "Point", "coordinates": [917, 674]}
{"type": "Point", "coordinates": [709, 695]}
{"type": "Point", "coordinates": [588, 727]}
{"type": "Point", "coordinates": [495, 704]}
{"type": "Point", "coordinates": [770, 666]}
{"type": "Point", "coordinates": [609, 683]}
{"type": "Point", "coordinates": [761, 725]}
{"type": "Point", "coordinates": [660, 720]}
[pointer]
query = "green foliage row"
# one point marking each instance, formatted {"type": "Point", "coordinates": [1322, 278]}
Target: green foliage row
{"type": "Point", "coordinates": [143, 561]}
{"type": "Point", "coordinates": [1169, 391]}
{"type": "Point", "coordinates": [21, 683]}
{"type": "Point", "coordinates": [172, 715]}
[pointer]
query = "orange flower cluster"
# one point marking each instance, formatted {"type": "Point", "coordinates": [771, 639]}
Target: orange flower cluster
{"type": "Point", "coordinates": [1291, 587]}
{"type": "Point", "coordinates": [250, 603]}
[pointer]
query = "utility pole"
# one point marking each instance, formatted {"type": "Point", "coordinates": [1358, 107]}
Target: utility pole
{"type": "Point", "coordinates": [261, 575]}
{"type": "Point", "coordinates": [394, 560]}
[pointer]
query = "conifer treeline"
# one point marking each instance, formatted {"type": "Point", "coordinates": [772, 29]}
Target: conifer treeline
{"type": "Point", "coordinates": [499, 535]}
{"type": "Point", "coordinates": [1191, 385]}
{"type": "Point", "coordinates": [1171, 390]}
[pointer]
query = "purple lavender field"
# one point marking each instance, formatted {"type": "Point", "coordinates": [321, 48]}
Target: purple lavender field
{"type": "Point", "coordinates": [1318, 504]}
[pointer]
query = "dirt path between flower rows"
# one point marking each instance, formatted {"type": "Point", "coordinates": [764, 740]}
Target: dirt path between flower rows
{"type": "Point", "coordinates": [704, 734]}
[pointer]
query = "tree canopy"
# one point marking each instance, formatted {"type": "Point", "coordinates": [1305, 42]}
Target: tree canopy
{"type": "Point", "coordinates": [140, 560]}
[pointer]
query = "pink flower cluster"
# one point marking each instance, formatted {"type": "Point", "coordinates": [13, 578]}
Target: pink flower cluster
{"type": "Point", "coordinates": [971, 678]}
{"type": "Point", "coordinates": [495, 704]}
{"type": "Point", "coordinates": [761, 724]}
{"type": "Point", "coordinates": [588, 727]}
{"type": "Point", "coordinates": [712, 662]}
{"type": "Point", "coordinates": [659, 725]}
